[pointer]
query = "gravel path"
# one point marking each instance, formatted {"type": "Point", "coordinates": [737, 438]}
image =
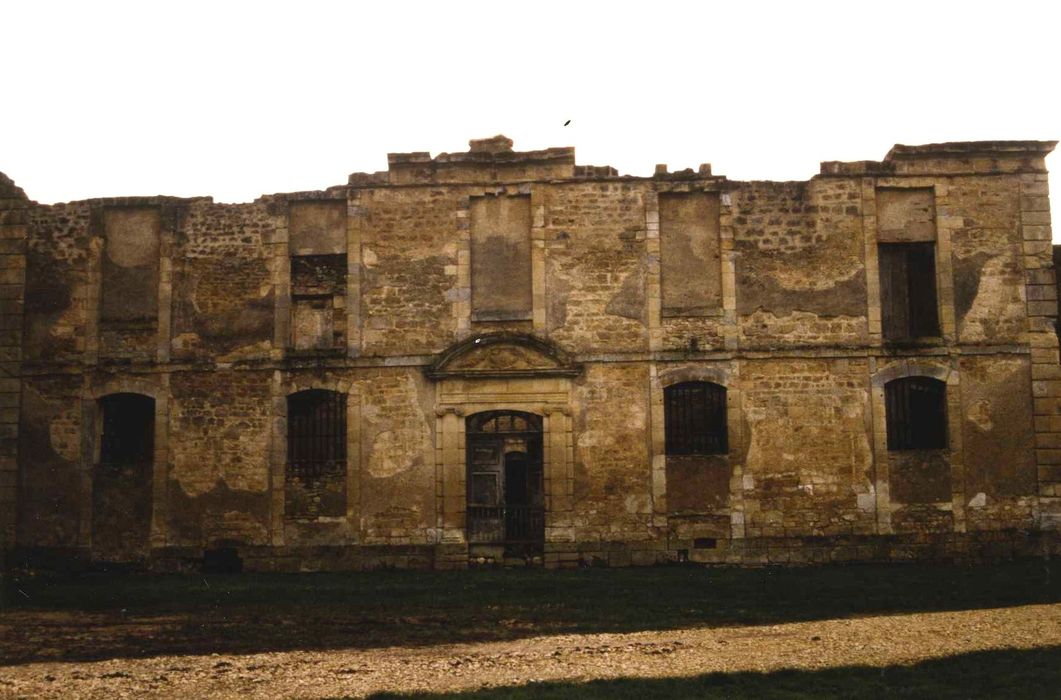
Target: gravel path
{"type": "Point", "coordinates": [874, 641]}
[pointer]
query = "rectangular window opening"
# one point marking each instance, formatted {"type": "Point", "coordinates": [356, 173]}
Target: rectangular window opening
{"type": "Point", "coordinates": [909, 305]}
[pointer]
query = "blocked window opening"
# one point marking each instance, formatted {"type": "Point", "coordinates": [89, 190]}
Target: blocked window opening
{"type": "Point", "coordinates": [129, 267]}
{"type": "Point", "coordinates": [128, 434]}
{"type": "Point", "coordinates": [916, 413]}
{"type": "Point", "coordinates": [317, 227]}
{"type": "Point", "coordinates": [690, 262]}
{"type": "Point", "coordinates": [695, 418]}
{"type": "Point", "coordinates": [501, 258]}
{"type": "Point", "coordinates": [909, 308]}
{"type": "Point", "coordinates": [316, 454]}
{"type": "Point", "coordinates": [318, 302]}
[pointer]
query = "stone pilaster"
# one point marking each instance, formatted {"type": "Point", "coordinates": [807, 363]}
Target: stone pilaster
{"type": "Point", "coordinates": [653, 282]}
{"type": "Point", "coordinates": [461, 295]}
{"type": "Point", "coordinates": [281, 276]}
{"type": "Point", "coordinates": [13, 227]}
{"type": "Point", "coordinates": [1041, 294]}
{"type": "Point", "coordinates": [355, 222]}
{"type": "Point", "coordinates": [731, 330]}
{"type": "Point", "coordinates": [869, 231]}
{"type": "Point", "coordinates": [538, 235]}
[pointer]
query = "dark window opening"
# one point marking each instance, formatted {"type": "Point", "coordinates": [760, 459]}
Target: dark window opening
{"type": "Point", "coordinates": [916, 413]}
{"type": "Point", "coordinates": [908, 290]}
{"type": "Point", "coordinates": [695, 418]}
{"type": "Point", "coordinates": [316, 433]}
{"type": "Point", "coordinates": [128, 436]}
{"type": "Point", "coordinates": [705, 543]}
{"type": "Point", "coordinates": [222, 560]}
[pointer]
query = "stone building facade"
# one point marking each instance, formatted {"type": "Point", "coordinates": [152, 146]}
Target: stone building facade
{"type": "Point", "coordinates": [501, 356]}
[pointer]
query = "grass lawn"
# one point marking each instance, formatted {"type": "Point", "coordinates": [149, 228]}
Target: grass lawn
{"type": "Point", "coordinates": [95, 616]}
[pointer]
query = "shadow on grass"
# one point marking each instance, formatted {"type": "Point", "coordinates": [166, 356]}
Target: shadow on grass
{"type": "Point", "coordinates": [110, 616]}
{"type": "Point", "coordinates": [1027, 674]}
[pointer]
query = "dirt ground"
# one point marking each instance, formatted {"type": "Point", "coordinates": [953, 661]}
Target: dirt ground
{"type": "Point", "coordinates": [871, 641]}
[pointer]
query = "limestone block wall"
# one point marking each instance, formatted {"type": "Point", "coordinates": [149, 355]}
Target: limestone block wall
{"type": "Point", "coordinates": [586, 327]}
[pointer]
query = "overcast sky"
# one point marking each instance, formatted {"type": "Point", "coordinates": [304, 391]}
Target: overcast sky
{"type": "Point", "coordinates": [234, 99]}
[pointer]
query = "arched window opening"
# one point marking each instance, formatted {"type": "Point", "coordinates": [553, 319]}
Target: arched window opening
{"type": "Point", "coordinates": [316, 432]}
{"type": "Point", "coordinates": [315, 479]}
{"type": "Point", "coordinates": [916, 413]}
{"type": "Point", "coordinates": [127, 438]}
{"type": "Point", "coordinates": [695, 419]}
{"type": "Point", "coordinates": [122, 479]}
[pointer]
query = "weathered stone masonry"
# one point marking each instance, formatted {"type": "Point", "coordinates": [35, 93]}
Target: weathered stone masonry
{"type": "Point", "coordinates": [507, 325]}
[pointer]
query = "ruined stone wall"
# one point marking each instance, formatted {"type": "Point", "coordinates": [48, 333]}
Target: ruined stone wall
{"type": "Point", "coordinates": [801, 280]}
{"type": "Point", "coordinates": [218, 477]}
{"type": "Point", "coordinates": [223, 294]}
{"type": "Point", "coordinates": [220, 312]}
{"type": "Point", "coordinates": [612, 479]}
{"type": "Point", "coordinates": [989, 294]}
{"type": "Point", "coordinates": [51, 502]}
{"type": "Point", "coordinates": [595, 266]}
{"type": "Point", "coordinates": [398, 471]}
{"type": "Point", "coordinates": [409, 270]}
{"type": "Point", "coordinates": [58, 251]}
{"type": "Point", "coordinates": [807, 452]}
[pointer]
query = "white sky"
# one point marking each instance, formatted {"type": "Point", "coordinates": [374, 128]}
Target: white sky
{"type": "Point", "coordinates": [235, 99]}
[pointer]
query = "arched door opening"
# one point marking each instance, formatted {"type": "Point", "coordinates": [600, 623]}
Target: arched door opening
{"type": "Point", "coordinates": [122, 477]}
{"type": "Point", "coordinates": [506, 494]}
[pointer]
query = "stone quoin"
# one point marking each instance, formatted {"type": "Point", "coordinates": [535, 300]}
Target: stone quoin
{"type": "Point", "coordinates": [502, 357]}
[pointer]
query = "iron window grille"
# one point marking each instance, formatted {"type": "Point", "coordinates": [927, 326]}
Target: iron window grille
{"type": "Point", "coordinates": [695, 419]}
{"type": "Point", "coordinates": [316, 433]}
{"type": "Point", "coordinates": [916, 413]}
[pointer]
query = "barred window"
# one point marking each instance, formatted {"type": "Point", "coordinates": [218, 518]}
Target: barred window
{"type": "Point", "coordinates": [695, 418]}
{"type": "Point", "coordinates": [316, 432]}
{"type": "Point", "coordinates": [916, 413]}
{"type": "Point", "coordinates": [128, 436]}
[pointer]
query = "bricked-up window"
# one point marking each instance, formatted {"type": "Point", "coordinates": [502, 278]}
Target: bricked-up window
{"type": "Point", "coordinates": [691, 271]}
{"type": "Point", "coordinates": [501, 258]}
{"type": "Point", "coordinates": [128, 431]}
{"type": "Point", "coordinates": [316, 433]}
{"type": "Point", "coordinates": [916, 413]}
{"type": "Point", "coordinates": [318, 302]}
{"type": "Point", "coordinates": [695, 418]}
{"type": "Point", "coordinates": [129, 267]}
{"type": "Point", "coordinates": [317, 245]}
{"type": "Point", "coordinates": [908, 290]}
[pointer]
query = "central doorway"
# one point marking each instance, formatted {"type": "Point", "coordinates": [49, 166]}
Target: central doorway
{"type": "Point", "coordinates": [506, 504]}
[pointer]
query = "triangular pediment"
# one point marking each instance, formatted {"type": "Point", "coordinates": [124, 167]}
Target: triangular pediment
{"type": "Point", "coordinates": [499, 355]}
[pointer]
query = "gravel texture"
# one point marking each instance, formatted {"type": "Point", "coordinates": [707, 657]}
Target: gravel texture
{"type": "Point", "coordinates": [872, 641]}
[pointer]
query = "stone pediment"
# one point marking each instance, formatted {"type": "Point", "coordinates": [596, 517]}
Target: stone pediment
{"type": "Point", "coordinates": [502, 355]}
